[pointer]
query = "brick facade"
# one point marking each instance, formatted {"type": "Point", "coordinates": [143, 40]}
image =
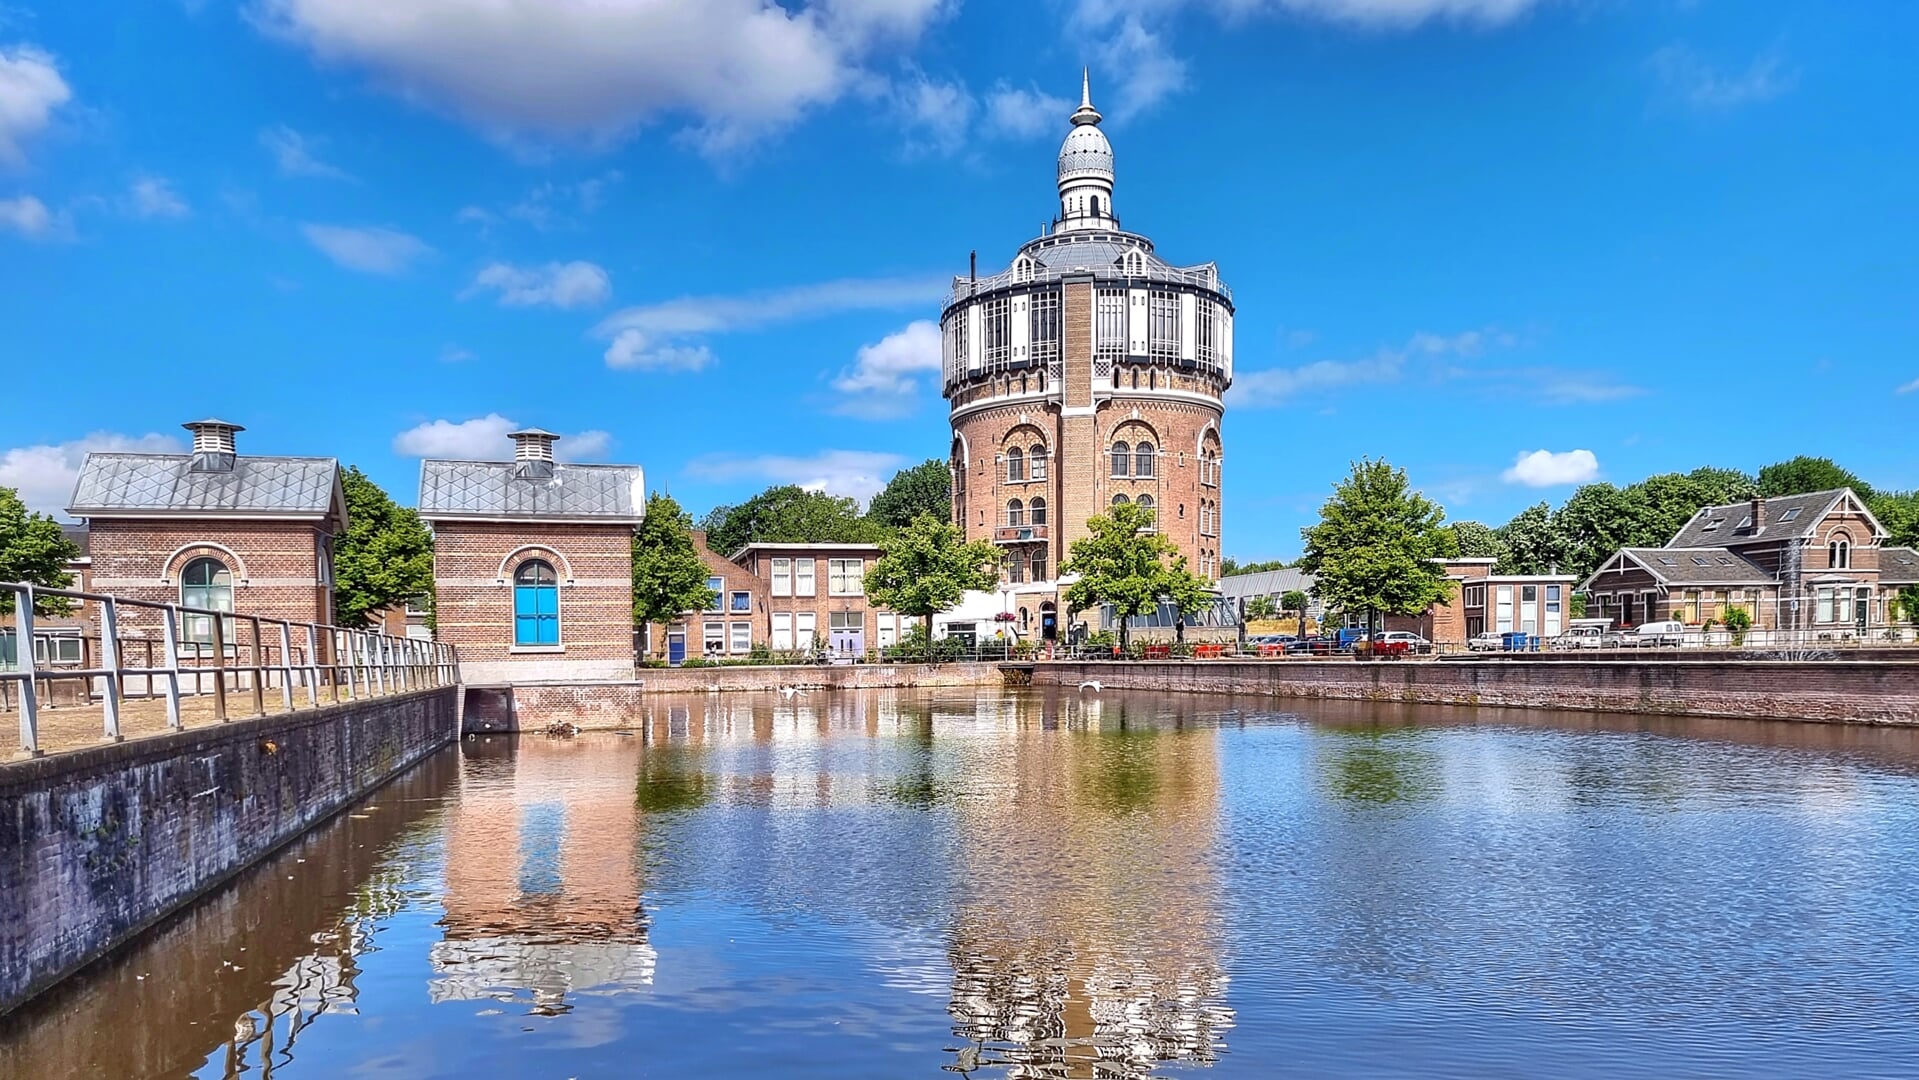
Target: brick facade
{"type": "Point", "coordinates": [765, 597]}
{"type": "Point", "coordinates": [280, 569]}
{"type": "Point", "coordinates": [474, 563]}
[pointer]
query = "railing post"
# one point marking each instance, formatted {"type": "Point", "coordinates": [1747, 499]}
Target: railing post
{"type": "Point", "coordinates": [313, 669]}
{"type": "Point", "coordinates": [170, 642]}
{"type": "Point", "coordinates": [286, 667]}
{"type": "Point", "coordinates": [110, 660]}
{"type": "Point", "coordinates": [219, 668]}
{"type": "Point", "coordinates": [259, 670]}
{"type": "Point", "coordinates": [29, 698]}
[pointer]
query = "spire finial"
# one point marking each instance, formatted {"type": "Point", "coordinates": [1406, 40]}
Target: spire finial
{"type": "Point", "coordinates": [1085, 114]}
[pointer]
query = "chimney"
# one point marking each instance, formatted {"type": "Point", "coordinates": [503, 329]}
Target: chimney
{"type": "Point", "coordinates": [1758, 513]}
{"type": "Point", "coordinates": [972, 266]}
{"type": "Point", "coordinates": [212, 445]}
{"type": "Point", "coordinates": [533, 453]}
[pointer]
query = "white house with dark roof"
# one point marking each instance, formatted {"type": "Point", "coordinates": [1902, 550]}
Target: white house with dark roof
{"type": "Point", "coordinates": [1812, 562]}
{"type": "Point", "coordinates": [533, 564]}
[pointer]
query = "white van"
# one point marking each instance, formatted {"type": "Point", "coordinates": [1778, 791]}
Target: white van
{"type": "Point", "coordinates": [1668, 632]}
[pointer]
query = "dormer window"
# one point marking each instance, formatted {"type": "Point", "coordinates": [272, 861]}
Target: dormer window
{"type": "Point", "coordinates": [1789, 515]}
{"type": "Point", "coordinates": [1712, 524]}
{"type": "Point", "coordinates": [1022, 269]}
{"type": "Point", "coordinates": [1701, 560]}
{"type": "Point", "coordinates": [1133, 264]}
{"type": "Point", "coordinates": [1668, 560]}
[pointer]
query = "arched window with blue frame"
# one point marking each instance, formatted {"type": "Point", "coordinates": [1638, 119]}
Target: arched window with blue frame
{"type": "Point", "coordinates": [536, 604]}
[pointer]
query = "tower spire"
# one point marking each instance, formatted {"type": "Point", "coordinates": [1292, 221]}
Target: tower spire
{"type": "Point", "coordinates": [1085, 114]}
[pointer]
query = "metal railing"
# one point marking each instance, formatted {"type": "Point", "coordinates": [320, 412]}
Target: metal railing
{"type": "Point", "coordinates": [186, 652]}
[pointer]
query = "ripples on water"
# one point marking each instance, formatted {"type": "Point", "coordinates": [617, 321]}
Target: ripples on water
{"type": "Point", "coordinates": [1049, 886]}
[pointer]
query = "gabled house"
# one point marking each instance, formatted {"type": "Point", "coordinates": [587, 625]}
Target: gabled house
{"type": "Point", "coordinates": [1801, 562]}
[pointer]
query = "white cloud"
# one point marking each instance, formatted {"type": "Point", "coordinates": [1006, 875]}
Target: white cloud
{"type": "Point", "coordinates": [860, 474]}
{"type": "Point", "coordinates": [1545, 468]}
{"type": "Point", "coordinates": [738, 69]}
{"type": "Point", "coordinates": [30, 90]}
{"type": "Point", "coordinates": [883, 379]}
{"type": "Point", "coordinates": [45, 474]}
{"type": "Point", "coordinates": [1025, 114]}
{"type": "Point", "coordinates": [154, 197]}
{"type": "Point", "coordinates": [938, 116]}
{"type": "Point", "coordinates": [561, 285]}
{"type": "Point", "coordinates": [1703, 86]}
{"type": "Point", "coordinates": [371, 250]}
{"type": "Point", "coordinates": [657, 335]}
{"type": "Point", "coordinates": [298, 155]}
{"type": "Point", "coordinates": [454, 354]}
{"type": "Point", "coordinates": [1909, 388]}
{"type": "Point", "coordinates": [483, 438]}
{"type": "Point", "coordinates": [1278, 385]}
{"type": "Point", "coordinates": [1389, 14]}
{"type": "Point", "coordinates": [28, 216]}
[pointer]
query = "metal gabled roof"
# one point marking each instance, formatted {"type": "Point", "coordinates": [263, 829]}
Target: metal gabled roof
{"type": "Point", "coordinates": [497, 490]}
{"type": "Point", "coordinates": [167, 484]}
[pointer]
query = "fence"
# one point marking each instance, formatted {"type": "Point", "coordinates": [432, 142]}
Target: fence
{"type": "Point", "coordinates": [199, 653]}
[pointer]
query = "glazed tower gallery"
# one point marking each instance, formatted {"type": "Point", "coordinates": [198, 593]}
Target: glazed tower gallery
{"type": "Point", "coordinates": [1087, 373]}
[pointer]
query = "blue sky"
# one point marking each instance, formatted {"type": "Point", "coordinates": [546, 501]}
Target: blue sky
{"type": "Point", "coordinates": [705, 235]}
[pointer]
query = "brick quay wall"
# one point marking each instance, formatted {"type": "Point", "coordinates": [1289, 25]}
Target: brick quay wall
{"type": "Point", "coordinates": [98, 845]}
{"type": "Point", "coordinates": [1840, 691]}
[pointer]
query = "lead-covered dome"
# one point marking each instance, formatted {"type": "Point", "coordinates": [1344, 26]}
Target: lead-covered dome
{"type": "Point", "coordinates": [1085, 151]}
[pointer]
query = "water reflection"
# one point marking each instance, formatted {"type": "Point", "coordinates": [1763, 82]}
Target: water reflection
{"type": "Point", "coordinates": [543, 880]}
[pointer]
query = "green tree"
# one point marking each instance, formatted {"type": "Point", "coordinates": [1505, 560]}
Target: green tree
{"type": "Point", "coordinates": [1533, 546]}
{"type": "Point", "coordinates": [1908, 601]}
{"type": "Point", "coordinates": [1738, 621]}
{"type": "Point", "coordinates": [668, 577]}
{"type": "Point", "coordinates": [1898, 511]}
{"type": "Point", "coordinates": [1124, 563]}
{"type": "Point", "coordinates": [1803, 474]}
{"type": "Point", "coordinates": [927, 567]}
{"type": "Point", "coordinates": [1229, 566]}
{"type": "Point", "coordinates": [1295, 600]}
{"type": "Point", "coordinates": [1478, 541]}
{"type": "Point", "coordinates": [1597, 521]}
{"type": "Point", "coordinates": [1261, 607]}
{"type": "Point", "coordinates": [789, 514]}
{"type": "Point", "coordinates": [926, 488]}
{"type": "Point", "coordinates": [33, 550]}
{"type": "Point", "coordinates": [386, 556]}
{"type": "Point", "coordinates": [1377, 546]}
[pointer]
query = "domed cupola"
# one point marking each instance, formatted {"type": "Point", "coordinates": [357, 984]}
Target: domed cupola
{"type": "Point", "coordinates": [1086, 169]}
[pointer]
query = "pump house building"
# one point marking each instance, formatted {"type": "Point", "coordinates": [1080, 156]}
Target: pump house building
{"type": "Point", "coordinates": [1087, 373]}
{"type": "Point", "coordinates": [533, 563]}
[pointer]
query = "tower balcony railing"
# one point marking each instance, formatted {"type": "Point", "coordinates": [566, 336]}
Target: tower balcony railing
{"type": "Point", "coordinates": [1019, 534]}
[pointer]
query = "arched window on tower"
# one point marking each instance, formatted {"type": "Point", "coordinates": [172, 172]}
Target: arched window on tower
{"type": "Point", "coordinates": [1147, 502]}
{"type": "Point", "coordinates": [1015, 466]}
{"type": "Point", "coordinates": [206, 584]}
{"type": "Point", "coordinates": [1095, 206]}
{"type": "Point", "coordinates": [1036, 462]}
{"type": "Point", "coordinates": [1122, 459]}
{"type": "Point", "coordinates": [1143, 459]}
{"type": "Point", "coordinates": [1015, 513]}
{"type": "Point", "coordinates": [1120, 499]}
{"type": "Point", "coordinates": [1037, 511]}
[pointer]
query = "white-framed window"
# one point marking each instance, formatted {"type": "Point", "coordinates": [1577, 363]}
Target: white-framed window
{"type": "Point", "coordinates": [803, 578]}
{"type": "Point", "coordinates": [999, 332]}
{"type": "Point", "coordinates": [1044, 325]}
{"type": "Point", "coordinates": [805, 629]}
{"type": "Point", "coordinates": [845, 577]}
{"type": "Point", "coordinates": [961, 340]}
{"type": "Point", "coordinates": [740, 603]}
{"type": "Point", "coordinates": [1503, 609]}
{"type": "Point", "coordinates": [1121, 499]}
{"type": "Point", "coordinates": [1015, 569]}
{"type": "Point", "coordinates": [1163, 325]}
{"type": "Point", "coordinates": [888, 629]}
{"type": "Point", "coordinates": [1109, 307]}
{"type": "Point", "coordinates": [1203, 332]}
{"type": "Point", "coordinates": [1554, 609]}
{"type": "Point", "coordinates": [1122, 459]}
{"type": "Point", "coordinates": [713, 638]}
{"type": "Point", "coordinates": [717, 586]}
{"type": "Point", "coordinates": [57, 650]}
{"type": "Point", "coordinates": [740, 637]}
{"type": "Point", "coordinates": [1145, 461]}
{"type": "Point", "coordinates": [1036, 463]}
{"type": "Point", "coordinates": [1015, 513]}
{"type": "Point", "coordinates": [1036, 511]}
{"type": "Point", "coordinates": [782, 577]}
{"type": "Point", "coordinates": [1015, 465]}
{"type": "Point", "coordinates": [1038, 564]}
{"type": "Point", "coordinates": [846, 620]}
{"type": "Point", "coordinates": [782, 630]}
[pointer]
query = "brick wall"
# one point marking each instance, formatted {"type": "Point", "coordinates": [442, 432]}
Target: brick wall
{"type": "Point", "coordinates": [98, 844]}
{"type": "Point", "coordinates": [1834, 692]}
{"type": "Point", "coordinates": [275, 565]}
{"type": "Point", "coordinates": [473, 567]}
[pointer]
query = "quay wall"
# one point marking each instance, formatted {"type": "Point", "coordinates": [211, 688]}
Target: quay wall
{"type": "Point", "coordinates": [98, 845]}
{"type": "Point", "coordinates": [1839, 691]}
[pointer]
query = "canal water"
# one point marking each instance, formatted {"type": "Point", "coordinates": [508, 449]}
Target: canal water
{"type": "Point", "coordinates": [1053, 884]}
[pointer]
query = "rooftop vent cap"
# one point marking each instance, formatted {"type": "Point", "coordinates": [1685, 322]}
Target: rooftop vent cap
{"type": "Point", "coordinates": [213, 447]}
{"type": "Point", "coordinates": [533, 452]}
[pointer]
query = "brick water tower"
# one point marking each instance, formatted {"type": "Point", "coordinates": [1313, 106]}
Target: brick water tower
{"type": "Point", "coordinates": [1087, 373]}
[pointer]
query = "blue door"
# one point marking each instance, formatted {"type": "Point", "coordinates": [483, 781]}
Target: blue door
{"type": "Point", "coordinates": [676, 649]}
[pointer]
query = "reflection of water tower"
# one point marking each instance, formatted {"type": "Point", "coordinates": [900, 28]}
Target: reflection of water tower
{"type": "Point", "coordinates": [1089, 944]}
{"type": "Point", "coordinates": [542, 877]}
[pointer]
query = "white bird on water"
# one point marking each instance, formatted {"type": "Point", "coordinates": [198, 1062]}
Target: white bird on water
{"type": "Point", "coordinates": [1090, 684]}
{"type": "Point", "coordinates": [789, 691]}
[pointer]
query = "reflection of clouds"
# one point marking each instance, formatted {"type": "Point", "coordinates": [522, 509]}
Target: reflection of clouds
{"type": "Point", "coordinates": [541, 974]}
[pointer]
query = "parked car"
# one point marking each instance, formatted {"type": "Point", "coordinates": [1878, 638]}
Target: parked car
{"type": "Point", "coordinates": [1586, 637]}
{"type": "Point", "coordinates": [1490, 641]}
{"type": "Point", "coordinates": [1401, 641]}
{"type": "Point", "coordinates": [1315, 646]}
{"type": "Point", "coordinates": [1664, 633]}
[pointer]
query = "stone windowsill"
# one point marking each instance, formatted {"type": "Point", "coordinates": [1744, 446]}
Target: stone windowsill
{"type": "Point", "coordinates": [536, 649]}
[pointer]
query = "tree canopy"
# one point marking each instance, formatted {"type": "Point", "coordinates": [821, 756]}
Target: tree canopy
{"type": "Point", "coordinates": [33, 550]}
{"type": "Point", "coordinates": [668, 576]}
{"type": "Point", "coordinates": [386, 556]}
{"type": "Point", "coordinates": [1229, 566]}
{"type": "Point", "coordinates": [1377, 545]}
{"type": "Point", "coordinates": [1478, 541]}
{"type": "Point", "coordinates": [927, 567]}
{"type": "Point", "coordinates": [926, 488]}
{"type": "Point", "coordinates": [789, 514]}
{"type": "Point", "coordinates": [1124, 562]}
{"type": "Point", "coordinates": [1803, 474]}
